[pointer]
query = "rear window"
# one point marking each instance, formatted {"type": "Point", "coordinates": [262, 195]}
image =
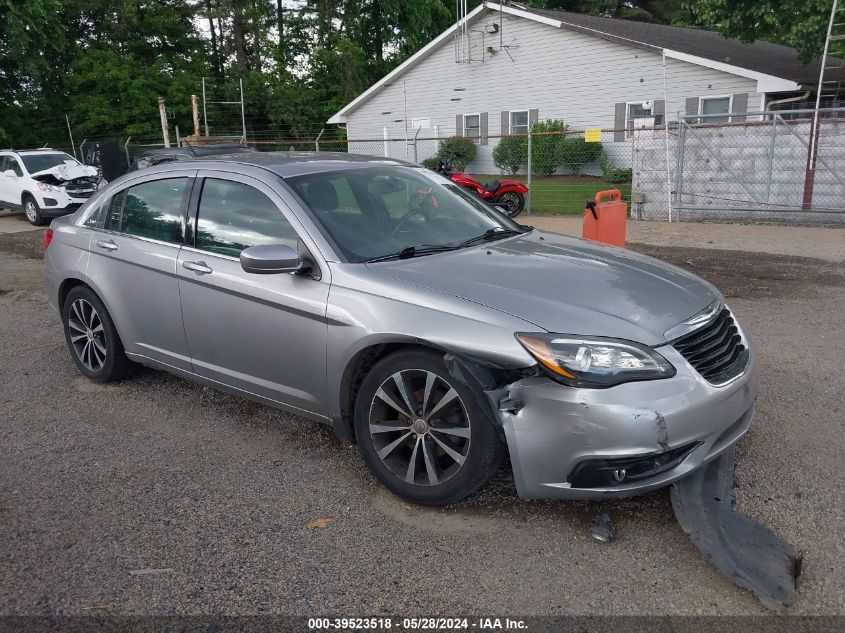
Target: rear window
{"type": "Point", "coordinates": [152, 209]}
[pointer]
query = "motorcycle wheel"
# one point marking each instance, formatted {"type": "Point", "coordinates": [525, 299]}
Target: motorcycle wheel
{"type": "Point", "coordinates": [512, 202]}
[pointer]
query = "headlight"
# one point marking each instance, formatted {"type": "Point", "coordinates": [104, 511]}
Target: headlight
{"type": "Point", "coordinates": [581, 361]}
{"type": "Point", "coordinates": [43, 186]}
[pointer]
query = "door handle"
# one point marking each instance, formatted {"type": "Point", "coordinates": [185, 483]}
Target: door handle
{"type": "Point", "coordinates": [199, 268]}
{"type": "Point", "coordinates": [107, 244]}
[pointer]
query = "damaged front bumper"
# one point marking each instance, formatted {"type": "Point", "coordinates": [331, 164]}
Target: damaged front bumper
{"type": "Point", "coordinates": [570, 443]}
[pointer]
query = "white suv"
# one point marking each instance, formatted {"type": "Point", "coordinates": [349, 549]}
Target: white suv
{"type": "Point", "coordinates": [45, 183]}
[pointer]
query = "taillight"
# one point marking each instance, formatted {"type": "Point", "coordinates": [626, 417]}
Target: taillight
{"type": "Point", "coordinates": [48, 237]}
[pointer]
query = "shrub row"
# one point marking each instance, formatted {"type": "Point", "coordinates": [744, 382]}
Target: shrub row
{"type": "Point", "coordinates": [550, 148]}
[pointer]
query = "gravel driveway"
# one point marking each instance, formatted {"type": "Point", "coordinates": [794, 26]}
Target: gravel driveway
{"type": "Point", "coordinates": [158, 496]}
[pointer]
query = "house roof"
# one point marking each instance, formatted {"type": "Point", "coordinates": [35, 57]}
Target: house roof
{"type": "Point", "coordinates": [776, 68]}
{"type": "Point", "coordinates": [764, 57]}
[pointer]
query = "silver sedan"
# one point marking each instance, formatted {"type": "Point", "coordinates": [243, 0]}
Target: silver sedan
{"type": "Point", "coordinates": [382, 299]}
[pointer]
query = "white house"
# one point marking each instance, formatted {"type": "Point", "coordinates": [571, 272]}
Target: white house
{"type": "Point", "coordinates": [507, 65]}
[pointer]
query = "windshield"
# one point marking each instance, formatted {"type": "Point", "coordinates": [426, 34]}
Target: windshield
{"type": "Point", "coordinates": [376, 211]}
{"type": "Point", "coordinates": [39, 162]}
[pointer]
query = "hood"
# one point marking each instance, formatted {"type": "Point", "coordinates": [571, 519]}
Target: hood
{"type": "Point", "coordinates": [69, 170]}
{"type": "Point", "coordinates": [564, 285]}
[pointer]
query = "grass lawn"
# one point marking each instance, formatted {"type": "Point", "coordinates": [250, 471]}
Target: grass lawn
{"type": "Point", "coordinates": [562, 195]}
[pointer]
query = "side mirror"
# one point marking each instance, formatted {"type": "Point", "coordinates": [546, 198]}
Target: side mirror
{"type": "Point", "coordinates": [270, 259]}
{"type": "Point", "coordinates": [10, 173]}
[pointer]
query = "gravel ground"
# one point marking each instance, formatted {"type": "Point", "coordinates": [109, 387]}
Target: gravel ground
{"type": "Point", "coordinates": [157, 496]}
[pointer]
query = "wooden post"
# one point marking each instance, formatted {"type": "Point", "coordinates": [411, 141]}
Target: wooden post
{"type": "Point", "coordinates": [163, 113]}
{"type": "Point", "coordinates": [195, 111]}
{"type": "Point", "coordinates": [810, 171]}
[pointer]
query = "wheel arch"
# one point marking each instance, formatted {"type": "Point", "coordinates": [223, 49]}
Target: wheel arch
{"type": "Point", "coordinates": [66, 286]}
{"type": "Point", "coordinates": [69, 283]}
{"type": "Point", "coordinates": [355, 371]}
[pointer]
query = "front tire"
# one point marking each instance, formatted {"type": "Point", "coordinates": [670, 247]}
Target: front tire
{"type": "Point", "coordinates": [421, 432]}
{"type": "Point", "coordinates": [92, 338]}
{"type": "Point", "coordinates": [33, 211]}
{"type": "Point", "coordinates": [512, 202]}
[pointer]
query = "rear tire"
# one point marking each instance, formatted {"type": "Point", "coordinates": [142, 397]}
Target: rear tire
{"type": "Point", "coordinates": [33, 211]}
{"type": "Point", "coordinates": [444, 450]}
{"type": "Point", "coordinates": [512, 202]}
{"type": "Point", "coordinates": [92, 338]}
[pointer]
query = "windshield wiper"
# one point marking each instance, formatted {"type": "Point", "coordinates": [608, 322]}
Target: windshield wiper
{"type": "Point", "coordinates": [490, 234]}
{"type": "Point", "coordinates": [411, 251]}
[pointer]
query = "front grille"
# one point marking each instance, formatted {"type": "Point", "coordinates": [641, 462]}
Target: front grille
{"type": "Point", "coordinates": [716, 350]}
{"type": "Point", "coordinates": [80, 191]}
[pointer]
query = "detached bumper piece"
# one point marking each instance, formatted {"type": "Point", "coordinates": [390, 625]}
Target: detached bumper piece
{"type": "Point", "coordinates": [602, 473]}
{"type": "Point", "coordinates": [748, 553]}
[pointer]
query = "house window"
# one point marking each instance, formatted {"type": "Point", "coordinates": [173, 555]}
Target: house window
{"type": "Point", "coordinates": [472, 125]}
{"type": "Point", "coordinates": [634, 110]}
{"type": "Point", "coordinates": [715, 106]}
{"type": "Point", "coordinates": [519, 122]}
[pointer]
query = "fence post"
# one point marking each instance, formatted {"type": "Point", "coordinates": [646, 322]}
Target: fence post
{"type": "Point", "coordinates": [67, 120]}
{"type": "Point", "coordinates": [679, 167]}
{"type": "Point", "coordinates": [81, 151]}
{"type": "Point", "coordinates": [771, 159]}
{"type": "Point", "coordinates": [317, 140]}
{"type": "Point", "coordinates": [126, 149]}
{"type": "Point", "coordinates": [528, 197]}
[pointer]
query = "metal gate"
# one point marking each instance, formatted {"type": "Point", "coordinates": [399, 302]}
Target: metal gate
{"type": "Point", "coordinates": [761, 166]}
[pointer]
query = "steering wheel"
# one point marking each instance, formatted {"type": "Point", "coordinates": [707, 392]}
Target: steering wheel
{"type": "Point", "coordinates": [404, 220]}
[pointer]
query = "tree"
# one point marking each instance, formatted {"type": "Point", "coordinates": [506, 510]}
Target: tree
{"type": "Point", "coordinates": [801, 24]}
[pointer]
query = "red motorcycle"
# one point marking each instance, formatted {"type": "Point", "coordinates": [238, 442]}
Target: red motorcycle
{"type": "Point", "coordinates": [508, 195]}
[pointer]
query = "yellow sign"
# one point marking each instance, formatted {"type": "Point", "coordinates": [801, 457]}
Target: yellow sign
{"type": "Point", "coordinates": [592, 135]}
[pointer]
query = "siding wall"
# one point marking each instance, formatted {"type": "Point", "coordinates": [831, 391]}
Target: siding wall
{"type": "Point", "coordinates": [561, 73]}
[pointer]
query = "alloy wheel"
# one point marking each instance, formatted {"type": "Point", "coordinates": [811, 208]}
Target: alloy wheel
{"type": "Point", "coordinates": [31, 211]}
{"type": "Point", "coordinates": [87, 336]}
{"type": "Point", "coordinates": [419, 427]}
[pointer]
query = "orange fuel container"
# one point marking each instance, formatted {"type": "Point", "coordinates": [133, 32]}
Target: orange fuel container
{"type": "Point", "coordinates": [606, 221]}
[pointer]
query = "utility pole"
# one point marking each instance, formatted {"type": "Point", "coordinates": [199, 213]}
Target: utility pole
{"type": "Point", "coordinates": [243, 115]}
{"type": "Point", "coordinates": [195, 112]}
{"type": "Point", "coordinates": [163, 113]}
{"type": "Point", "coordinates": [813, 148]}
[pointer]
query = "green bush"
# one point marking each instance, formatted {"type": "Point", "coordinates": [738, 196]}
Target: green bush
{"type": "Point", "coordinates": [574, 152]}
{"type": "Point", "coordinates": [544, 146]}
{"type": "Point", "coordinates": [511, 153]}
{"type": "Point", "coordinates": [431, 163]}
{"type": "Point", "coordinates": [459, 151]}
{"type": "Point", "coordinates": [612, 174]}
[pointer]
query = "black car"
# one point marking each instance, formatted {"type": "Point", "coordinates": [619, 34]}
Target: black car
{"type": "Point", "coordinates": [171, 154]}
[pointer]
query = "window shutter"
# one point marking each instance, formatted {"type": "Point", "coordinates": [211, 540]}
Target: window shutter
{"type": "Point", "coordinates": [692, 105]}
{"type": "Point", "coordinates": [483, 131]}
{"type": "Point", "coordinates": [658, 111]}
{"type": "Point", "coordinates": [506, 122]}
{"type": "Point", "coordinates": [619, 122]}
{"type": "Point", "coordinates": [533, 117]}
{"type": "Point", "coordinates": [459, 125]}
{"type": "Point", "coordinates": [740, 106]}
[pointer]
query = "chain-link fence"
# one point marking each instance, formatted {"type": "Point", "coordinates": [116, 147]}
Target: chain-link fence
{"type": "Point", "coordinates": [753, 167]}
